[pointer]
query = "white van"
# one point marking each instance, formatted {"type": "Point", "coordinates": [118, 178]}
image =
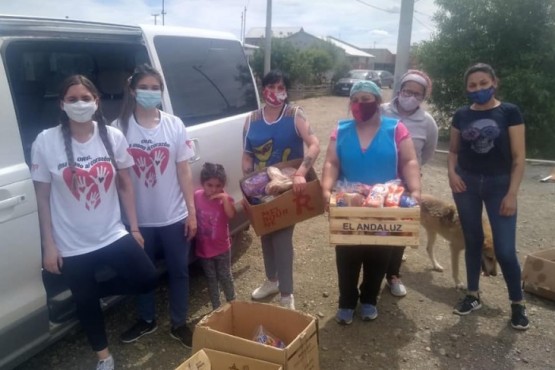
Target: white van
{"type": "Point", "coordinates": [209, 85]}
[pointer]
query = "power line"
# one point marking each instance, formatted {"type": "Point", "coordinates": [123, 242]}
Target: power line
{"type": "Point", "coordinates": [392, 11]}
{"type": "Point", "coordinates": [422, 23]}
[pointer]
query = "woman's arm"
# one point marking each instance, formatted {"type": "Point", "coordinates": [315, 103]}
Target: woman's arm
{"type": "Point", "coordinates": [127, 197]}
{"type": "Point", "coordinates": [430, 145]}
{"type": "Point", "coordinates": [185, 179]}
{"type": "Point", "coordinates": [247, 161]}
{"type": "Point", "coordinates": [313, 149]}
{"type": "Point", "coordinates": [330, 171]}
{"type": "Point", "coordinates": [455, 182]}
{"type": "Point", "coordinates": [51, 258]}
{"type": "Point", "coordinates": [518, 153]}
{"type": "Point", "coordinates": [409, 168]}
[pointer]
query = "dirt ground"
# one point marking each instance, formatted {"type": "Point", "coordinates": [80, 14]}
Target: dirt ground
{"type": "Point", "coordinates": [418, 331]}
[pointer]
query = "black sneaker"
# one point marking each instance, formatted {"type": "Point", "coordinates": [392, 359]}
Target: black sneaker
{"type": "Point", "coordinates": [468, 304]}
{"type": "Point", "coordinates": [519, 319]}
{"type": "Point", "coordinates": [140, 328]}
{"type": "Point", "coordinates": [183, 334]}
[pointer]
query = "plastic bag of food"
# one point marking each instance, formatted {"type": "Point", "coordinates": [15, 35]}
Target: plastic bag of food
{"type": "Point", "coordinates": [289, 171]}
{"type": "Point", "coordinates": [254, 186]}
{"type": "Point", "coordinates": [393, 197]}
{"type": "Point", "coordinates": [377, 196]}
{"type": "Point", "coordinates": [275, 174]}
{"type": "Point", "coordinates": [261, 335]}
{"type": "Point", "coordinates": [349, 199]}
{"type": "Point", "coordinates": [407, 201]}
{"type": "Point", "coordinates": [278, 186]}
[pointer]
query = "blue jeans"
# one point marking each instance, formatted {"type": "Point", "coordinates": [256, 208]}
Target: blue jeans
{"type": "Point", "coordinates": [172, 243]}
{"type": "Point", "coordinates": [489, 191]}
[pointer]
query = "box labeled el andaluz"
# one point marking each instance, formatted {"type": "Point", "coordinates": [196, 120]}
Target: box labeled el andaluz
{"type": "Point", "coordinates": [393, 226]}
{"type": "Point", "coordinates": [287, 208]}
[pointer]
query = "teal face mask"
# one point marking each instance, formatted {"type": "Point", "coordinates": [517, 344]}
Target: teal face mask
{"type": "Point", "coordinates": [148, 99]}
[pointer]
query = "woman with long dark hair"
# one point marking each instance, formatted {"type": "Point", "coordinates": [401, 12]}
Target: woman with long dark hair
{"type": "Point", "coordinates": [164, 195]}
{"type": "Point", "coordinates": [80, 169]}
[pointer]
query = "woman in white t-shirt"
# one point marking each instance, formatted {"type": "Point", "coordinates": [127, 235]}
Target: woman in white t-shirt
{"type": "Point", "coordinates": [80, 169]}
{"type": "Point", "coordinates": [164, 196]}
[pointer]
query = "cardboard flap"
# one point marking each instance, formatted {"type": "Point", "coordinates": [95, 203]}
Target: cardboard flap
{"type": "Point", "coordinates": [539, 270]}
{"type": "Point", "coordinates": [198, 361]}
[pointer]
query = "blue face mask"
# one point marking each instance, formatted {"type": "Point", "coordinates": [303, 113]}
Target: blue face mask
{"type": "Point", "coordinates": [148, 99]}
{"type": "Point", "coordinates": [481, 96]}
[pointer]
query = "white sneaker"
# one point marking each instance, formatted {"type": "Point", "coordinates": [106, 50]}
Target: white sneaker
{"type": "Point", "coordinates": [396, 287]}
{"type": "Point", "coordinates": [106, 364]}
{"type": "Point", "coordinates": [266, 289]}
{"type": "Point", "coordinates": [287, 302]}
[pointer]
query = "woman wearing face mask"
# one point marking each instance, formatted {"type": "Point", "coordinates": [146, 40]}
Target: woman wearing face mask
{"type": "Point", "coordinates": [486, 164]}
{"type": "Point", "coordinates": [369, 149]}
{"type": "Point", "coordinates": [406, 106]}
{"type": "Point", "coordinates": [277, 133]}
{"type": "Point", "coordinates": [80, 169]}
{"type": "Point", "coordinates": [164, 196]}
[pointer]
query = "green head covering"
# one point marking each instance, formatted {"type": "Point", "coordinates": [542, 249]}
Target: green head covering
{"type": "Point", "coordinates": [366, 86]}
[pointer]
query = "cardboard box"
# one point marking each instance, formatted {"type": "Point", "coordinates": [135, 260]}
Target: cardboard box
{"type": "Point", "coordinates": [538, 274]}
{"type": "Point", "coordinates": [374, 226]}
{"type": "Point", "coordinates": [208, 359]}
{"type": "Point", "coordinates": [231, 329]}
{"type": "Point", "coordinates": [288, 208]}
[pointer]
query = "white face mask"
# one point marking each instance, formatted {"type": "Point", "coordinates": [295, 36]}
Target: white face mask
{"type": "Point", "coordinates": [80, 111]}
{"type": "Point", "coordinates": [409, 103]}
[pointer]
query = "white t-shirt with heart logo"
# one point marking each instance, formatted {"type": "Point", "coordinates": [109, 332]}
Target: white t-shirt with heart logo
{"type": "Point", "coordinates": [85, 213]}
{"type": "Point", "coordinates": [156, 152]}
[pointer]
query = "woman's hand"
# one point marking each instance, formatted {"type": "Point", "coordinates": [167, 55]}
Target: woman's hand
{"type": "Point", "coordinates": [326, 194]}
{"type": "Point", "coordinates": [508, 205]}
{"type": "Point", "coordinates": [299, 184]}
{"type": "Point", "coordinates": [191, 227]}
{"type": "Point", "coordinates": [136, 234]}
{"type": "Point", "coordinates": [456, 183]}
{"type": "Point", "coordinates": [51, 259]}
{"type": "Point", "coordinates": [416, 195]}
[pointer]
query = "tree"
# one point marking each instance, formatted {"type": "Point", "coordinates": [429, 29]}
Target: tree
{"type": "Point", "coordinates": [303, 66]}
{"type": "Point", "coordinates": [518, 39]}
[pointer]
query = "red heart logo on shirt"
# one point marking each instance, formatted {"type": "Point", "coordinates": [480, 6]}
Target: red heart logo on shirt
{"type": "Point", "coordinates": [89, 186]}
{"type": "Point", "coordinates": [150, 165]}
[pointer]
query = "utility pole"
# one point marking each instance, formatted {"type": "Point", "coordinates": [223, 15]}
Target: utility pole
{"type": "Point", "coordinates": [244, 24]}
{"type": "Point", "coordinates": [241, 34]}
{"type": "Point", "coordinates": [155, 15]}
{"type": "Point", "coordinates": [403, 41]}
{"type": "Point", "coordinates": [268, 46]}
{"type": "Point", "coordinates": [163, 13]}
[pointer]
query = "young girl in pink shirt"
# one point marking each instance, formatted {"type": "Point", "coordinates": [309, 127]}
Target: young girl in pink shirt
{"type": "Point", "coordinates": [214, 208]}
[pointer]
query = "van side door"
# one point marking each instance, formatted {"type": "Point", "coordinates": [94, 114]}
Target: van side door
{"type": "Point", "coordinates": [23, 311]}
{"type": "Point", "coordinates": [210, 86]}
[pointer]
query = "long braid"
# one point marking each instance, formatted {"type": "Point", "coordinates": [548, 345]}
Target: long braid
{"type": "Point", "coordinates": [66, 133]}
{"type": "Point", "coordinates": [103, 132]}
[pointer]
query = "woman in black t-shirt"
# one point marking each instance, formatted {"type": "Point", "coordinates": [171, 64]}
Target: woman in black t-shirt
{"type": "Point", "coordinates": [486, 165]}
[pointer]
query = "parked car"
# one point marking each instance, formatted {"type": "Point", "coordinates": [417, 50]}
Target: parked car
{"type": "Point", "coordinates": [343, 86]}
{"type": "Point", "coordinates": [386, 78]}
{"type": "Point", "coordinates": [209, 85]}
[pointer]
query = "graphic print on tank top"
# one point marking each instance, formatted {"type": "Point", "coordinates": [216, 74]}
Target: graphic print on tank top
{"type": "Point", "coordinates": [150, 162]}
{"type": "Point", "coordinates": [91, 183]}
{"type": "Point", "coordinates": [481, 134]}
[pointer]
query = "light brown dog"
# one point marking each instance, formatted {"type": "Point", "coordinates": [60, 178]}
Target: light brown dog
{"type": "Point", "coordinates": [439, 217]}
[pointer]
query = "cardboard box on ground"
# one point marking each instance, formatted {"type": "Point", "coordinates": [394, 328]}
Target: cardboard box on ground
{"type": "Point", "coordinates": [208, 359]}
{"type": "Point", "coordinates": [287, 208]}
{"type": "Point", "coordinates": [538, 274]}
{"type": "Point", "coordinates": [231, 329]}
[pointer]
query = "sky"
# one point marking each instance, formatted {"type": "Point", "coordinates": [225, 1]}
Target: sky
{"type": "Point", "coordinates": [362, 23]}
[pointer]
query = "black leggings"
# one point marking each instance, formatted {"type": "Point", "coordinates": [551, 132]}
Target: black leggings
{"type": "Point", "coordinates": [135, 274]}
{"type": "Point", "coordinates": [349, 259]}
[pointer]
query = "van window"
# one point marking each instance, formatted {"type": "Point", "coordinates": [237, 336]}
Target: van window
{"type": "Point", "coordinates": [207, 79]}
{"type": "Point", "coordinates": [37, 68]}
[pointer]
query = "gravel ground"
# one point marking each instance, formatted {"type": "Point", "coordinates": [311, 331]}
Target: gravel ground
{"type": "Point", "coordinates": [418, 331]}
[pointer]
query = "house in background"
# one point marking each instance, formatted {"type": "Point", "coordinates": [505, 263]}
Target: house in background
{"type": "Point", "coordinates": [385, 59]}
{"type": "Point", "coordinates": [300, 39]}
